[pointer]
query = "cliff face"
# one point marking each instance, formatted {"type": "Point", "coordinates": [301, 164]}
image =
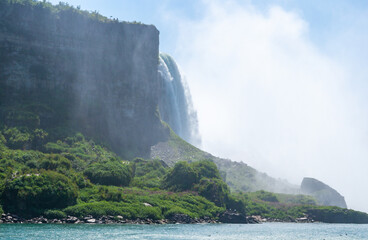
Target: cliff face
{"type": "Point", "coordinates": [324, 194]}
{"type": "Point", "coordinates": [98, 77]}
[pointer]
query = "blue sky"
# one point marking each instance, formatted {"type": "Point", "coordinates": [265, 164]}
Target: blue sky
{"type": "Point", "coordinates": [281, 85]}
{"type": "Point", "coordinates": [326, 18]}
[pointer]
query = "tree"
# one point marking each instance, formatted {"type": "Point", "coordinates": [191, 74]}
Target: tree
{"type": "Point", "coordinates": [111, 172]}
{"type": "Point", "coordinates": [32, 194]}
{"type": "Point", "coordinates": [181, 177]}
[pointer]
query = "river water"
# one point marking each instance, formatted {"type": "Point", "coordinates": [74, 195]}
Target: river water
{"type": "Point", "coordinates": [282, 231]}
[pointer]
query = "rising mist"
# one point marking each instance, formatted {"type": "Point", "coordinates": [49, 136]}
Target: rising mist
{"type": "Point", "coordinates": [267, 95]}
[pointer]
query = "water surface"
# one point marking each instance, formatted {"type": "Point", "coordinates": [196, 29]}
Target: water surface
{"type": "Point", "coordinates": [268, 231]}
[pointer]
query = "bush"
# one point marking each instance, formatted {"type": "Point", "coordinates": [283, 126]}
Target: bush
{"type": "Point", "coordinates": [55, 161]}
{"type": "Point", "coordinates": [214, 190]}
{"type": "Point", "coordinates": [1, 210]}
{"type": "Point", "coordinates": [235, 204]}
{"type": "Point", "coordinates": [54, 214]}
{"type": "Point", "coordinates": [177, 210]}
{"type": "Point", "coordinates": [266, 196]}
{"type": "Point", "coordinates": [180, 178]}
{"type": "Point", "coordinates": [32, 194]}
{"type": "Point", "coordinates": [109, 173]}
{"type": "Point", "coordinates": [103, 208]}
{"type": "Point", "coordinates": [148, 173]}
{"type": "Point", "coordinates": [17, 139]}
{"type": "Point", "coordinates": [206, 169]}
{"type": "Point", "coordinates": [337, 215]}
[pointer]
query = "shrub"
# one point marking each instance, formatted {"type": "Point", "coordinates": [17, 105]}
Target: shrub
{"type": "Point", "coordinates": [32, 194]}
{"type": "Point", "coordinates": [54, 214]}
{"type": "Point", "coordinates": [54, 161]}
{"type": "Point", "coordinates": [206, 169]}
{"type": "Point", "coordinates": [235, 204]}
{"type": "Point", "coordinates": [214, 190]}
{"type": "Point", "coordinates": [109, 173]}
{"type": "Point", "coordinates": [266, 196]}
{"type": "Point", "coordinates": [181, 177]}
{"type": "Point", "coordinates": [148, 173]}
{"type": "Point", "coordinates": [1, 210]}
{"type": "Point", "coordinates": [177, 210]}
{"type": "Point", "coordinates": [103, 208]}
{"type": "Point", "coordinates": [17, 139]}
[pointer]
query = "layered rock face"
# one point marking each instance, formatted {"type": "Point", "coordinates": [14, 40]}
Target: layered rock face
{"type": "Point", "coordinates": [98, 77]}
{"type": "Point", "coordinates": [324, 194]}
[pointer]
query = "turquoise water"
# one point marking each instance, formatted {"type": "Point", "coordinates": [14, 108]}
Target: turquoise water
{"type": "Point", "coordinates": [267, 231]}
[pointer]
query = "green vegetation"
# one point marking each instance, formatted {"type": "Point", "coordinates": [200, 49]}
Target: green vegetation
{"type": "Point", "coordinates": [182, 177]}
{"type": "Point", "coordinates": [32, 194]}
{"type": "Point", "coordinates": [336, 215]}
{"type": "Point", "coordinates": [54, 214]}
{"type": "Point", "coordinates": [148, 174]}
{"type": "Point", "coordinates": [76, 176]}
{"type": "Point", "coordinates": [49, 168]}
{"type": "Point", "coordinates": [109, 173]}
{"type": "Point", "coordinates": [61, 8]}
{"type": "Point", "coordinates": [129, 202]}
{"type": "Point", "coordinates": [239, 176]}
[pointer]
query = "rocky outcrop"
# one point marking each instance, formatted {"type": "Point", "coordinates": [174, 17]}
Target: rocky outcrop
{"type": "Point", "coordinates": [324, 194]}
{"type": "Point", "coordinates": [100, 77]}
{"type": "Point", "coordinates": [233, 217]}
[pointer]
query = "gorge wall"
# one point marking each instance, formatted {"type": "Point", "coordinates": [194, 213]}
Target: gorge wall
{"type": "Point", "coordinates": [67, 68]}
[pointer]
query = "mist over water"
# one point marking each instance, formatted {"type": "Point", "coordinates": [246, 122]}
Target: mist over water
{"type": "Point", "coordinates": [267, 95]}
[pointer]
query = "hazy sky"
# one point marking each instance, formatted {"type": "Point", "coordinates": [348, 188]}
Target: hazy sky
{"type": "Point", "coordinates": [281, 85]}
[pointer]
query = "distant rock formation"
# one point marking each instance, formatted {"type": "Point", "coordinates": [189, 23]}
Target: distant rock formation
{"type": "Point", "coordinates": [324, 194]}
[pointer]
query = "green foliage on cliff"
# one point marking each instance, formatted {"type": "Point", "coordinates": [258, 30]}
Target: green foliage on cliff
{"type": "Point", "coordinates": [61, 8]}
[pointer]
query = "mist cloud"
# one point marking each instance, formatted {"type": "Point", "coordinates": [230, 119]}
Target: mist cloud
{"type": "Point", "coordinates": [268, 96]}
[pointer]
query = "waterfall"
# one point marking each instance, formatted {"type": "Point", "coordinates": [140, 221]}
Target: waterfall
{"type": "Point", "coordinates": [175, 105]}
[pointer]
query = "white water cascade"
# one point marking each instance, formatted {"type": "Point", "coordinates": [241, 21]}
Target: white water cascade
{"type": "Point", "coordinates": [175, 105]}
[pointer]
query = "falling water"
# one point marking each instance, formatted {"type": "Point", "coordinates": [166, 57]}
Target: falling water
{"type": "Point", "coordinates": [176, 107]}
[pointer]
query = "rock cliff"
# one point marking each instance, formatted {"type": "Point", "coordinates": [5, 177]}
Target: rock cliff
{"type": "Point", "coordinates": [324, 194]}
{"type": "Point", "coordinates": [76, 70]}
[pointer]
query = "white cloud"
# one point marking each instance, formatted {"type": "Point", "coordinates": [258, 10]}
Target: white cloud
{"type": "Point", "coordinates": [267, 96]}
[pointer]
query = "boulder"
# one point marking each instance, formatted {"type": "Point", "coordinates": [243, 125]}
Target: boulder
{"type": "Point", "coordinates": [232, 217]}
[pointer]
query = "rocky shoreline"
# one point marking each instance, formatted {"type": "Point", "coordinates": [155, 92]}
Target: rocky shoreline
{"type": "Point", "coordinates": [175, 219]}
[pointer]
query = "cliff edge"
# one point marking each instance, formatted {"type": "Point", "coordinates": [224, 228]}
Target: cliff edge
{"type": "Point", "coordinates": [65, 68]}
{"type": "Point", "coordinates": [324, 194]}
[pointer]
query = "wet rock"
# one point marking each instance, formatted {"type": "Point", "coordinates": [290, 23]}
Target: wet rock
{"type": "Point", "coordinates": [71, 219]}
{"type": "Point", "coordinates": [232, 217]}
{"type": "Point", "coordinates": [180, 218]}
